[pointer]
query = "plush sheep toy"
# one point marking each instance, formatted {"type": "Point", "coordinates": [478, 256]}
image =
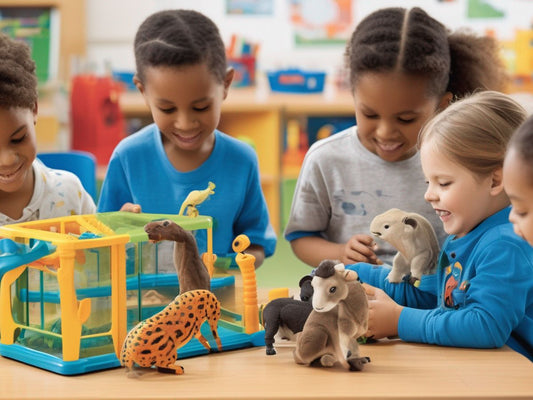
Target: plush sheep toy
{"type": "Point", "coordinates": [339, 317]}
{"type": "Point", "coordinates": [414, 238]}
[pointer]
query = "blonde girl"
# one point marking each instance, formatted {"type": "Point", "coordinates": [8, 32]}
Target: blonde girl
{"type": "Point", "coordinates": [482, 293]}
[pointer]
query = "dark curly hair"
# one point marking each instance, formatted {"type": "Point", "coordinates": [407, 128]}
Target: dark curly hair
{"type": "Point", "coordinates": [179, 38]}
{"type": "Point", "coordinates": [18, 82]}
{"type": "Point", "coordinates": [410, 41]}
{"type": "Point", "coordinates": [522, 143]}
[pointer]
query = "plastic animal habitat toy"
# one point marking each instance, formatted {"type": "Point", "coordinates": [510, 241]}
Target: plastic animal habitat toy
{"type": "Point", "coordinates": [339, 317]}
{"type": "Point", "coordinates": [154, 341]}
{"type": "Point", "coordinates": [414, 238]}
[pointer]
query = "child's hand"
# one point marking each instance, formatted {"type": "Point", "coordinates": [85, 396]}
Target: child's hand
{"type": "Point", "coordinates": [383, 313]}
{"type": "Point", "coordinates": [130, 207]}
{"type": "Point", "coordinates": [360, 248]}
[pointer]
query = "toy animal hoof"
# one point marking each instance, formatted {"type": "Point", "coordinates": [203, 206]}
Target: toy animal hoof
{"type": "Point", "coordinates": [327, 360]}
{"type": "Point", "coordinates": [413, 280]}
{"type": "Point", "coordinates": [270, 351]}
{"type": "Point", "coordinates": [357, 364]}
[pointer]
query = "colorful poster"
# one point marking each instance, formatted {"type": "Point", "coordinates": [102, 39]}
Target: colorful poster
{"type": "Point", "coordinates": [485, 9]}
{"type": "Point", "coordinates": [249, 7]}
{"type": "Point", "coordinates": [321, 21]}
{"type": "Point", "coordinates": [32, 25]}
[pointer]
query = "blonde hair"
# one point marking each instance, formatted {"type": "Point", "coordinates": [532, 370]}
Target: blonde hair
{"type": "Point", "coordinates": [474, 131]}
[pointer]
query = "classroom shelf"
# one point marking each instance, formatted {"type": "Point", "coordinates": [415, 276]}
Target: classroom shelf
{"type": "Point", "coordinates": [72, 32]}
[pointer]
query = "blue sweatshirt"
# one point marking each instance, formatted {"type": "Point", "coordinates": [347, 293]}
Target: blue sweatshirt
{"type": "Point", "coordinates": [481, 295]}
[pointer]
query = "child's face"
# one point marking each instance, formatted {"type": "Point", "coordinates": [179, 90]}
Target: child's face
{"type": "Point", "coordinates": [518, 185]}
{"type": "Point", "coordinates": [390, 109]}
{"type": "Point", "coordinates": [460, 198]}
{"type": "Point", "coordinates": [17, 148]}
{"type": "Point", "coordinates": [185, 103]}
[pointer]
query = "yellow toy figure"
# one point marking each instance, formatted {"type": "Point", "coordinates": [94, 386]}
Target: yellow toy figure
{"type": "Point", "coordinates": [155, 340]}
{"type": "Point", "coordinates": [194, 198]}
{"type": "Point", "coordinates": [246, 263]}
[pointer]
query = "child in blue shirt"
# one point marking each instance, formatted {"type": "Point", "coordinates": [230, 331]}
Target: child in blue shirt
{"type": "Point", "coordinates": [28, 189]}
{"type": "Point", "coordinates": [183, 76]}
{"type": "Point", "coordinates": [482, 293]}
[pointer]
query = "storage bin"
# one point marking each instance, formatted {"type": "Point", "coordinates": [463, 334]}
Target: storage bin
{"type": "Point", "coordinates": [296, 81]}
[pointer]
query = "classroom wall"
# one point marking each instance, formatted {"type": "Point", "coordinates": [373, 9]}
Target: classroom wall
{"type": "Point", "coordinates": [112, 25]}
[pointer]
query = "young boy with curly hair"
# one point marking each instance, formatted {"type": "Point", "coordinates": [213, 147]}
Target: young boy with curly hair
{"type": "Point", "coordinates": [28, 189]}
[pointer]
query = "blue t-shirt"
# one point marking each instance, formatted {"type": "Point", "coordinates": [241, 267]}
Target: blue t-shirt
{"type": "Point", "coordinates": [140, 172]}
{"type": "Point", "coordinates": [481, 295]}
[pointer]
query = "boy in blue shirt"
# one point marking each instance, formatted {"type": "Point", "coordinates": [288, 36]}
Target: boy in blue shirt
{"type": "Point", "coordinates": [183, 76]}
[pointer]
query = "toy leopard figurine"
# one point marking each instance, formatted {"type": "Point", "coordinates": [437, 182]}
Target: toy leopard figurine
{"type": "Point", "coordinates": [155, 340]}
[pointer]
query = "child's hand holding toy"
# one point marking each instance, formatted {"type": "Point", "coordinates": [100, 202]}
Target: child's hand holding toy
{"type": "Point", "coordinates": [383, 313]}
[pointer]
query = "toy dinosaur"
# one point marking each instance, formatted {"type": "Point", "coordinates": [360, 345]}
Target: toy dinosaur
{"type": "Point", "coordinates": [339, 317]}
{"type": "Point", "coordinates": [191, 270]}
{"type": "Point", "coordinates": [194, 198]}
{"type": "Point", "coordinates": [414, 238]}
{"type": "Point", "coordinates": [154, 341]}
{"type": "Point", "coordinates": [287, 316]}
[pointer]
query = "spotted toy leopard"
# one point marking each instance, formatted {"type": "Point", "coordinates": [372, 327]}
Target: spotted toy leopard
{"type": "Point", "coordinates": [155, 340]}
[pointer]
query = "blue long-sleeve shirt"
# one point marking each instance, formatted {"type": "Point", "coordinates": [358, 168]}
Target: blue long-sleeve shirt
{"type": "Point", "coordinates": [481, 295]}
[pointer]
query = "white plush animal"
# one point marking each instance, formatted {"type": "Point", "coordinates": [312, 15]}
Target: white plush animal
{"type": "Point", "coordinates": [338, 318]}
{"type": "Point", "coordinates": [414, 238]}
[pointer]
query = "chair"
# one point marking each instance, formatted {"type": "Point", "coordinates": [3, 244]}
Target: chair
{"type": "Point", "coordinates": [80, 163]}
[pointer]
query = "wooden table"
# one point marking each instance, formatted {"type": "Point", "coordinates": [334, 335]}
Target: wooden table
{"type": "Point", "coordinates": [398, 371]}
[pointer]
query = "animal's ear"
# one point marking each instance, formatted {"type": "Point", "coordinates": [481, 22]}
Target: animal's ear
{"type": "Point", "coordinates": [339, 267]}
{"type": "Point", "coordinates": [410, 221]}
{"type": "Point", "coordinates": [350, 275]}
{"type": "Point", "coordinates": [304, 279]}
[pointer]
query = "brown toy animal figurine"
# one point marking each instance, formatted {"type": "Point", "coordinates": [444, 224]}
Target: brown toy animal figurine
{"type": "Point", "coordinates": [414, 238]}
{"type": "Point", "coordinates": [339, 317]}
{"type": "Point", "coordinates": [192, 272]}
{"type": "Point", "coordinates": [154, 341]}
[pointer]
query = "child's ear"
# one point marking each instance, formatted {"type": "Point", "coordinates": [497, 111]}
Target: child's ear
{"type": "Point", "coordinates": [497, 182]}
{"type": "Point", "coordinates": [445, 101]}
{"type": "Point", "coordinates": [138, 84]}
{"type": "Point", "coordinates": [230, 73]}
{"type": "Point", "coordinates": [35, 112]}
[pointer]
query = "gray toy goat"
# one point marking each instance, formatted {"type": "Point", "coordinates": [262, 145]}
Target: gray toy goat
{"type": "Point", "coordinates": [414, 238]}
{"type": "Point", "coordinates": [286, 315]}
{"type": "Point", "coordinates": [339, 317]}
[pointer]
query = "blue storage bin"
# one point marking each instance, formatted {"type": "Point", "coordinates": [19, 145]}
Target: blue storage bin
{"type": "Point", "coordinates": [296, 81]}
{"type": "Point", "coordinates": [125, 77]}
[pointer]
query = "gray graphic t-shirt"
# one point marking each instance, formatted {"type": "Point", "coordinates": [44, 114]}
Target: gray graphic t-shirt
{"type": "Point", "coordinates": [342, 186]}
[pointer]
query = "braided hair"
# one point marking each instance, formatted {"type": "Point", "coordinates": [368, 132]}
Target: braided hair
{"type": "Point", "coordinates": [412, 42]}
{"type": "Point", "coordinates": [522, 143]}
{"type": "Point", "coordinates": [176, 38]}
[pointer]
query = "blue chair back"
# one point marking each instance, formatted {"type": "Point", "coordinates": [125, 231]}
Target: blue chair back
{"type": "Point", "coordinates": [80, 163]}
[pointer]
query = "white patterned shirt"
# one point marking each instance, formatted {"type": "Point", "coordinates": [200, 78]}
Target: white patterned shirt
{"type": "Point", "coordinates": [56, 193]}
